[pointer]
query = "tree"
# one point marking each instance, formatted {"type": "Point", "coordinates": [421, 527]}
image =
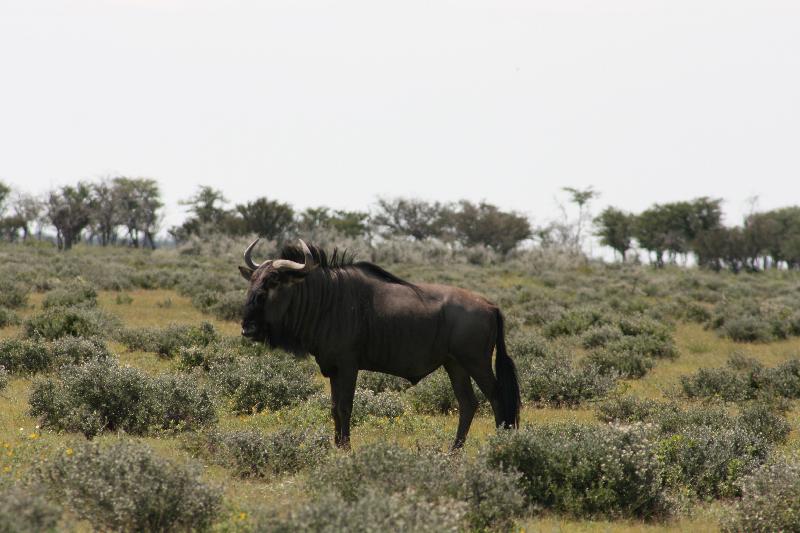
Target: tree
{"type": "Point", "coordinates": [68, 210]}
{"type": "Point", "coordinates": [485, 224]}
{"type": "Point", "coordinates": [106, 208]}
{"type": "Point", "coordinates": [5, 191]}
{"type": "Point", "coordinates": [139, 202]}
{"type": "Point", "coordinates": [581, 198]}
{"type": "Point", "coordinates": [651, 228]}
{"type": "Point", "coordinates": [28, 210]}
{"type": "Point", "coordinates": [206, 205]}
{"type": "Point", "coordinates": [615, 229]}
{"type": "Point", "coordinates": [267, 218]}
{"type": "Point", "coordinates": [404, 217]}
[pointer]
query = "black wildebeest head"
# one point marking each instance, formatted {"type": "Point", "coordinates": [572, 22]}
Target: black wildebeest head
{"type": "Point", "coordinates": [268, 280]}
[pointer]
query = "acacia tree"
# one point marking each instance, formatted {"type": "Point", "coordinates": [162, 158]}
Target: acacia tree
{"type": "Point", "coordinates": [406, 217]}
{"type": "Point", "coordinates": [581, 198]}
{"type": "Point", "coordinates": [139, 202]}
{"type": "Point", "coordinates": [485, 224]}
{"type": "Point", "coordinates": [267, 218]}
{"type": "Point", "coordinates": [615, 229]}
{"type": "Point", "coordinates": [69, 212]}
{"type": "Point", "coordinates": [106, 210]}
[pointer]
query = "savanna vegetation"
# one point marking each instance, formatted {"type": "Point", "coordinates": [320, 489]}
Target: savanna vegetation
{"type": "Point", "coordinates": [654, 399]}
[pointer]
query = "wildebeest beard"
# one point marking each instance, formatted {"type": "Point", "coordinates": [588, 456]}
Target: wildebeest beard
{"type": "Point", "coordinates": [278, 337]}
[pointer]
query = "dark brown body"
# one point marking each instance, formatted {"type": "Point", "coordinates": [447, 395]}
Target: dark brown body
{"type": "Point", "coordinates": [353, 317]}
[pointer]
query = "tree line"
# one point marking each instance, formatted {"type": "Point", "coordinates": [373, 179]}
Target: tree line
{"type": "Point", "coordinates": [669, 231]}
{"type": "Point", "coordinates": [128, 211]}
{"type": "Point", "coordinates": [464, 223]}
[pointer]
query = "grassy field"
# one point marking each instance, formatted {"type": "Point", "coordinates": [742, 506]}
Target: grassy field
{"type": "Point", "coordinates": [522, 291]}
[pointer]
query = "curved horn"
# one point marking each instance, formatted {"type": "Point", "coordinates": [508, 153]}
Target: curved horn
{"type": "Point", "coordinates": [248, 260]}
{"type": "Point", "coordinates": [286, 264]}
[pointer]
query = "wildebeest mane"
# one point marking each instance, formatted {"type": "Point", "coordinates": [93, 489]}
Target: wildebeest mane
{"type": "Point", "coordinates": [341, 260]}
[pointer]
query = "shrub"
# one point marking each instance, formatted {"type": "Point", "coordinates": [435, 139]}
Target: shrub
{"type": "Point", "coordinates": [747, 328]}
{"type": "Point", "coordinates": [769, 500]}
{"type": "Point", "coordinates": [366, 403]}
{"type": "Point", "coordinates": [627, 409]}
{"type": "Point", "coordinates": [250, 453]}
{"type": "Point", "coordinates": [24, 355]}
{"type": "Point", "coordinates": [406, 512]}
{"type": "Point", "coordinates": [81, 295]}
{"type": "Point", "coordinates": [584, 470]}
{"type": "Point", "coordinates": [575, 322]}
{"type": "Point", "coordinates": [722, 382]}
{"type": "Point", "coordinates": [8, 317]}
{"type": "Point", "coordinates": [527, 346]}
{"type": "Point", "coordinates": [761, 420]}
{"type": "Point", "coordinates": [433, 394]}
{"type": "Point", "coordinates": [492, 496]}
{"type": "Point", "coordinates": [629, 364]}
{"type": "Point", "coordinates": [76, 350]}
{"type": "Point", "coordinates": [167, 341]}
{"type": "Point", "coordinates": [34, 355]}
{"type": "Point", "coordinates": [57, 322]}
{"type": "Point", "coordinates": [380, 382]}
{"type": "Point", "coordinates": [709, 461]}
{"type": "Point", "coordinates": [125, 486]}
{"type": "Point", "coordinates": [13, 295]}
{"type": "Point", "coordinates": [103, 396]}
{"type": "Point", "coordinates": [228, 305]}
{"type": "Point", "coordinates": [555, 380]}
{"type": "Point", "coordinates": [23, 510]}
{"type": "Point", "coordinates": [744, 379]}
{"type": "Point", "coordinates": [220, 352]}
{"type": "Point", "coordinates": [599, 336]}
{"type": "Point", "coordinates": [257, 383]}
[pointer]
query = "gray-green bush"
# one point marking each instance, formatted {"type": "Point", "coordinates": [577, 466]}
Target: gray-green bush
{"type": "Point", "coordinates": [584, 470]}
{"type": "Point", "coordinates": [253, 454]}
{"type": "Point", "coordinates": [125, 486]}
{"type": "Point", "coordinates": [100, 395]}
{"type": "Point", "coordinates": [769, 500]}
{"type": "Point", "coordinates": [25, 510]}
{"type": "Point", "coordinates": [169, 340]}
{"type": "Point", "coordinates": [270, 382]}
{"type": "Point", "coordinates": [57, 322]}
{"type": "Point", "coordinates": [492, 497]}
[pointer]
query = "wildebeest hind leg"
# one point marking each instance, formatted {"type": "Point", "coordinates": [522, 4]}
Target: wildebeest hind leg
{"type": "Point", "coordinates": [343, 388]}
{"type": "Point", "coordinates": [481, 372]}
{"type": "Point", "coordinates": [467, 402]}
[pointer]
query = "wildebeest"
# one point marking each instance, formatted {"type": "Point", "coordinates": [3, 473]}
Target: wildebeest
{"type": "Point", "coordinates": [355, 316]}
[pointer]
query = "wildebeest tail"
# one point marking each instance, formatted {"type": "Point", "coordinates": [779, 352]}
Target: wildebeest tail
{"type": "Point", "coordinates": [507, 383]}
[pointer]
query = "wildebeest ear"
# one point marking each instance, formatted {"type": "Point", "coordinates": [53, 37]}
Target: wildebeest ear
{"type": "Point", "coordinates": [247, 273]}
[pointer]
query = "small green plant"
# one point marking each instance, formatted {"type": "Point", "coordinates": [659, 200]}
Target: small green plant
{"type": "Point", "coordinates": [123, 299]}
{"type": "Point", "coordinates": [555, 380]}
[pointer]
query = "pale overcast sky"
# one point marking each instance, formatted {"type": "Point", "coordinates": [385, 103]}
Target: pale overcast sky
{"type": "Point", "coordinates": [321, 102]}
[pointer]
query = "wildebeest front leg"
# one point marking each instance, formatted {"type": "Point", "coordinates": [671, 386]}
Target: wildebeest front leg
{"type": "Point", "coordinates": [343, 388]}
{"type": "Point", "coordinates": [467, 402]}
